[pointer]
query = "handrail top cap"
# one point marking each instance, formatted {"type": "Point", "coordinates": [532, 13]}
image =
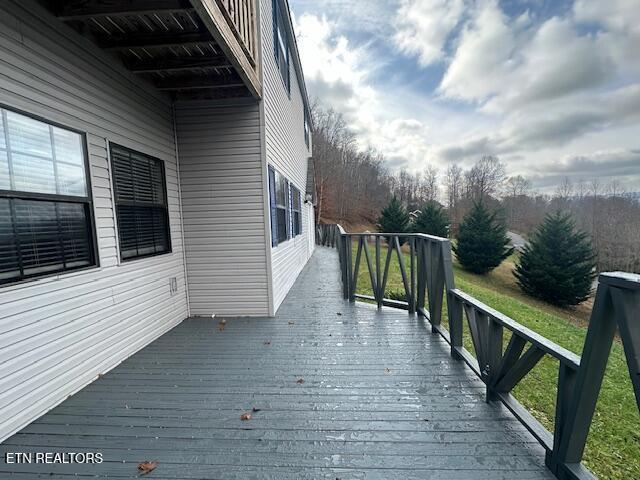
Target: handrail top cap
{"type": "Point", "coordinates": [620, 279]}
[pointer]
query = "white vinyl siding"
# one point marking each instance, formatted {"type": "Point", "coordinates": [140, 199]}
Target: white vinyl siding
{"type": "Point", "coordinates": [223, 203]}
{"type": "Point", "coordinates": [57, 334]}
{"type": "Point", "coordinates": [286, 151]}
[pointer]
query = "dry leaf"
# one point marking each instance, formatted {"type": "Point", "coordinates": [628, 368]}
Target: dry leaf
{"type": "Point", "coordinates": [147, 467]}
{"type": "Point", "coordinates": [300, 380]}
{"type": "Point", "coordinates": [387, 371]}
{"type": "Point", "coordinates": [245, 416]}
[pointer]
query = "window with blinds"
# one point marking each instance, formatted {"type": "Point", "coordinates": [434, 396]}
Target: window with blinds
{"type": "Point", "coordinates": [141, 204]}
{"type": "Point", "coordinates": [45, 209]}
{"type": "Point", "coordinates": [285, 206]}
{"type": "Point", "coordinates": [296, 212]}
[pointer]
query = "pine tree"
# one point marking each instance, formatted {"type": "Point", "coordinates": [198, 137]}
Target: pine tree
{"type": "Point", "coordinates": [432, 220]}
{"type": "Point", "coordinates": [482, 242]}
{"type": "Point", "coordinates": [394, 218]}
{"type": "Point", "coordinates": [557, 265]}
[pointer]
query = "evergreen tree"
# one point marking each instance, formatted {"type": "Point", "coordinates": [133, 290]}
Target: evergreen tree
{"type": "Point", "coordinates": [557, 265]}
{"type": "Point", "coordinates": [394, 218]}
{"type": "Point", "coordinates": [482, 242]}
{"type": "Point", "coordinates": [432, 220]}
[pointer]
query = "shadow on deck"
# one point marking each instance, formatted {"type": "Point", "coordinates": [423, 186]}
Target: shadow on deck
{"type": "Point", "coordinates": [381, 398]}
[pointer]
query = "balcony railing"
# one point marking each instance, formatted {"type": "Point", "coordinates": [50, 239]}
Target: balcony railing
{"type": "Point", "coordinates": [241, 17]}
{"type": "Point", "coordinates": [428, 279]}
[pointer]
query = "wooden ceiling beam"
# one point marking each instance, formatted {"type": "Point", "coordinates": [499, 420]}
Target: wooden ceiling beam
{"type": "Point", "coordinates": [178, 64]}
{"type": "Point", "coordinates": [158, 40]}
{"type": "Point", "coordinates": [198, 83]}
{"type": "Point", "coordinates": [93, 9]}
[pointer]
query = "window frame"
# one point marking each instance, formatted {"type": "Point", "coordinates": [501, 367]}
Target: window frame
{"type": "Point", "coordinates": [290, 213]}
{"type": "Point", "coordinates": [280, 34]}
{"type": "Point", "coordinates": [295, 214]}
{"type": "Point", "coordinates": [286, 207]}
{"type": "Point", "coordinates": [307, 129]}
{"type": "Point", "coordinates": [169, 249]}
{"type": "Point", "coordinates": [86, 201]}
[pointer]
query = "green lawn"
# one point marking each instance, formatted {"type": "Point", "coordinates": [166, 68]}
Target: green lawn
{"type": "Point", "coordinates": [613, 449]}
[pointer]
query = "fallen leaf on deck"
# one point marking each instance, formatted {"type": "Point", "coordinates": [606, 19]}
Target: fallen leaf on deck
{"type": "Point", "coordinates": [254, 409]}
{"type": "Point", "coordinates": [300, 380]}
{"type": "Point", "coordinates": [245, 416]}
{"type": "Point", "coordinates": [147, 467]}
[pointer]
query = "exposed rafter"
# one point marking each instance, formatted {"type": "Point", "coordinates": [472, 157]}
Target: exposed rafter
{"type": "Point", "coordinates": [198, 83]}
{"type": "Point", "coordinates": [178, 64]}
{"type": "Point", "coordinates": [157, 40]}
{"type": "Point", "coordinates": [96, 9]}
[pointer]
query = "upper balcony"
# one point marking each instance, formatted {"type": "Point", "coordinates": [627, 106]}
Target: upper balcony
{"type": "Point", "coordinates": [193, 49]}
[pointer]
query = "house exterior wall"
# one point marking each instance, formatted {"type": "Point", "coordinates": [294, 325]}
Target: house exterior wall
{"type": "Point", "coordinates": [219, 146]}
{"type": "Point", "coordinates": [286, 151]}
{"type": "Point", "coordinates": [58, 333]}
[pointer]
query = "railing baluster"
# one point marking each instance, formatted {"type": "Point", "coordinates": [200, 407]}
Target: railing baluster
{"type": "Point", "coordinates": [403, 273]}
{"type": "Point", "coordinates": [374, 286]}
{"type": "Point", "coordinates": [387, 262]}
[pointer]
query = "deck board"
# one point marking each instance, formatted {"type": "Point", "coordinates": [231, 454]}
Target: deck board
{"type": "Point", "coordinates": [381, 399]}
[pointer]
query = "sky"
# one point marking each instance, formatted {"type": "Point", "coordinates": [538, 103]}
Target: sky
{"type": "Point", "coordinates": [551, 87]}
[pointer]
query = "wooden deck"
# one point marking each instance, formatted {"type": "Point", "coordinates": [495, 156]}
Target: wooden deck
{"type": "Point", "coordinates": [341, 391]}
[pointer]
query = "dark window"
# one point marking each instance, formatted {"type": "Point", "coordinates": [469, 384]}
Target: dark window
{"type": "Point", "coordinates": [285, 203]}
{"type": "Point", "coordinates": [282, 206]}
{"type": "Point", "coordinates": [281, 44]}
{"type": "Point", "coordinates": [280, 202]}
{"type": "Point", "coordinates": [307, 129]}
{"type": "Point", "coordinates": [141, 204]}
{"type": "Point", "coordinates": [296, 212]}
{"type": "Point", "coordinates": [45, 208]}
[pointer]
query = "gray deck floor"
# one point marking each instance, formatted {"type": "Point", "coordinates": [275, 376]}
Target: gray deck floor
{"type": "Point", "coordinates": [381, 399]}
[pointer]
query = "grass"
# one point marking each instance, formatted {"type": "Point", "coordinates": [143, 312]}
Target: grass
{"type": "Point", "coordinates": [613, 446]}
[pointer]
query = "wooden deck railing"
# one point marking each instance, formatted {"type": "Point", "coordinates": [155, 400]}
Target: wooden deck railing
{"type": "Point", "coordinates": [428, 279]}
{"type": "Point", "coordinates": [241, 17]}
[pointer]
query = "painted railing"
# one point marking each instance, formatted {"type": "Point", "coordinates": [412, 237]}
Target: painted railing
{"type": "Point", "coordinates": [241, 17]}
{"type": "Point", "coordinates": [427, 278]}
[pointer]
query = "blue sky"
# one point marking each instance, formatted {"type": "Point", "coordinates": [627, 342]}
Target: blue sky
{"type": "Point", "coordinates": [551, 87]}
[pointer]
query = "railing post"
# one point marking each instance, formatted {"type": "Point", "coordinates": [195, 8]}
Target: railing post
{"type": "Point", "coordinates": [412, 273]}
{"type": "Point", "coordinates": [617, 304]}
{"type": "Point", "coordinates": [494, 355]}
{"type": "Point", "coordinates": [349, 256]}
{"type": "Point", "coordinates": [454, 307]}
{"type": "Point", "coordinates": [379, 290]}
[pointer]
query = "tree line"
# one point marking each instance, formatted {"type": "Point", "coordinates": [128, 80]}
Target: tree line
{"type": "Point", "coordinates": [354, 186]}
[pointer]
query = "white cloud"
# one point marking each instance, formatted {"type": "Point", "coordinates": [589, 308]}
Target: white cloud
{"type": "Point", "coordinates": [423, 27]}
{"type": "Point", "coordinates": [338, 74]}
{"type": "Point", "coordinates": [483, 57]}
{"type": "Point", "coordinates": [540, 94]}
{"type": "Point", "coordinates": [503, 64]}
